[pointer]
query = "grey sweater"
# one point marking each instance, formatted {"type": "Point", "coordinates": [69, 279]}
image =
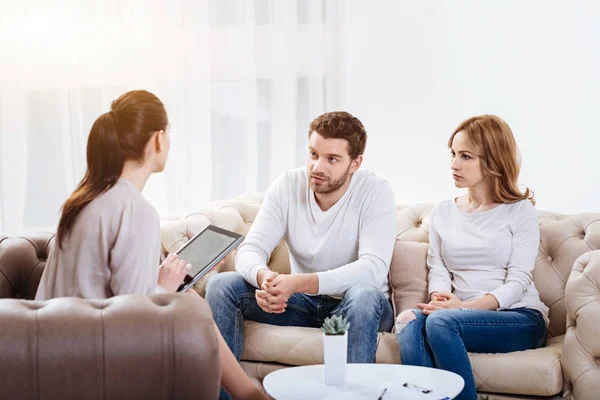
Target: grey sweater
{"type": "Point", "coordinates": [113, 249]}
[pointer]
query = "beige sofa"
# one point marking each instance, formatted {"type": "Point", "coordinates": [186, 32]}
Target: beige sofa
{"type": "Point", "coordinates": [567, 275]}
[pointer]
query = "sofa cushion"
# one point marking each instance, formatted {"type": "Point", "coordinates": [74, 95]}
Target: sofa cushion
{"type": "Point", "coordinates": [282, 344]}
{"type": "Point", "coordinates": [259, 370]}
{"type": "Point", "coordinates": [532, 372]}
{"type": "Point", "coordinates": [408, 275]}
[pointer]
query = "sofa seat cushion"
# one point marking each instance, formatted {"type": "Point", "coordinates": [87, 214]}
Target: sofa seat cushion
{"type": "Point", "coordinates": [532, 372]}
{"type": "Point", "coordinates": [259, 370]}
{"type": "Point", "coordinates": [282, 344]}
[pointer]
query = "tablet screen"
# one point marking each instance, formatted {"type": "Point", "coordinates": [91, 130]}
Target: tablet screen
{"type": "Point", "coordinates": [204, 249]}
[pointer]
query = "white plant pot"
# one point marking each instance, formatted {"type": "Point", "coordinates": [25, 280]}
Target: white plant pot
{"type": "Point", "coordinates": [335, 355]}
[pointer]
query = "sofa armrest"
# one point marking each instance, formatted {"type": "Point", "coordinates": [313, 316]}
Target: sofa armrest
{"type": "Point", "coordinates": [581, 348]}
{"type": "Point", "coordinates": [127, 347]}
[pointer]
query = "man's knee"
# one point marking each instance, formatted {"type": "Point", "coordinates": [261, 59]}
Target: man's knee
{"type": "Point", "coordinates": [364, 301]}
{"type": "Point", "coordinates": [363, 294]}
{"type": "Point", "coordinates": [223, 283]}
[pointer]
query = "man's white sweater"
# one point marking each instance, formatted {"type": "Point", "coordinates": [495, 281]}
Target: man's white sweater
{"type": "Point", "coordinates": [350, 243]}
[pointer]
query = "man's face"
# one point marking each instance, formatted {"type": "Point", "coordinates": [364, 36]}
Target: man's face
{"type": "Point", "coordinates": [329, 165]}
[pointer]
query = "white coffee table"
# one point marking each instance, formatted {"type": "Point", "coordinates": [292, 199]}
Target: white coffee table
{"type": "Point", "coordinates": [363, 381]}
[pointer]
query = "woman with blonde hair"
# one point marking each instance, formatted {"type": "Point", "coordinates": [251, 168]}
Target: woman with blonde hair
{"type": "Point", "coordinates": [482, 250]}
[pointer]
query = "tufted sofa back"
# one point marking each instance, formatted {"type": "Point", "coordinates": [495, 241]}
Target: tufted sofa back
{"type": "Point", "coordinates": [22, 261]}
{"type": "Point", "coordinates": [563, 239]}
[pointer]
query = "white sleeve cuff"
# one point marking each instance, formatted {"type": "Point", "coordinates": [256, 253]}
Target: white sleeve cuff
{"type": "Point", "coordinates": [504, 295]}
{"type": "Point", "coordinates": [439, 286]}
{"type": "Point", "coordinates": [252, 273]}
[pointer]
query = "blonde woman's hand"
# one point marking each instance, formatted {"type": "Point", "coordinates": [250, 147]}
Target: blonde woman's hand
{"type": "Point", "coordinates": [172, 272]}
{"type": "Point", "coordinates": [441, 301]}
{"type": "Point", "coordinates": [449, 300]}
{"type": "Point", "coordinates": [434, 296]}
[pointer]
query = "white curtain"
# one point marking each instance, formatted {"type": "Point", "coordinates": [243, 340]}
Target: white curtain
{"type": "Point", "coordinates": [241, 81]}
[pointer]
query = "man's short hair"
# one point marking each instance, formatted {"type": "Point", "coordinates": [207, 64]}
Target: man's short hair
{"type": "Point", "coordinates": [341, 125]}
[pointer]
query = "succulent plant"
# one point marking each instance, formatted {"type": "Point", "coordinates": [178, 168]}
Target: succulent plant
{"type": "Point", "coordinates": [335, 325]}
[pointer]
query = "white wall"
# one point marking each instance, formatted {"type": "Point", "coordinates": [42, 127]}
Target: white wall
{"type": "Point", "coordinates": [415, 69]}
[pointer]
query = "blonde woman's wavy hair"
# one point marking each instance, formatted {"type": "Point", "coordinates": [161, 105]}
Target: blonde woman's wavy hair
{"type": "Point", "coordinates": [495, 144]}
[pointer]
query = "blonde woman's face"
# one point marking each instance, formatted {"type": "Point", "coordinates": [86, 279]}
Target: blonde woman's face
{"type": "Point", "coordinates": [466, 163]}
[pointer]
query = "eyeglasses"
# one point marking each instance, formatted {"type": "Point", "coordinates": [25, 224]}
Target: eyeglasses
{"type": "Point", "coordinates": [419, 388]}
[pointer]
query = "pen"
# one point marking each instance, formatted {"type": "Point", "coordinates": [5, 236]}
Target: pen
{"type": "Point", "coordinates": [381, 395]}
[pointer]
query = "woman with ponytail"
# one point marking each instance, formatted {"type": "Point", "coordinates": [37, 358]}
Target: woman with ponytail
{"type": "Point", "coordinates": [482, 250]}
{"type": "Point", "coordinates": [108, 239]}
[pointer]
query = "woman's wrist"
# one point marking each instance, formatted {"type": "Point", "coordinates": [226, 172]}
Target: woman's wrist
{"type": "Point", "coordinates": [162, 288]}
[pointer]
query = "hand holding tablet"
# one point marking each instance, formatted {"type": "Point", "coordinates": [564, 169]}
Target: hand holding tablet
{"type": "Point", "coordinates": [172, 272]}
{"type": "Point", "coordinates": [204, 251]}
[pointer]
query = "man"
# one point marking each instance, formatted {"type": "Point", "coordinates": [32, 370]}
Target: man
{"type": "Point", "coordinates": [339, 225]}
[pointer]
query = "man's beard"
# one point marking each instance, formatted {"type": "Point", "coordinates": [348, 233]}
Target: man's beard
{"type": "Point", "coordinates": [330, 186]}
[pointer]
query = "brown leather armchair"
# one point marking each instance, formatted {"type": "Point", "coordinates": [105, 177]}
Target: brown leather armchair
{"type": "Point", "coordinates": [130, 347]}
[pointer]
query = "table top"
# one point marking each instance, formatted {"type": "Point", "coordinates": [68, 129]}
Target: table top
{"type": "Point", "coordinates": [364, 381]}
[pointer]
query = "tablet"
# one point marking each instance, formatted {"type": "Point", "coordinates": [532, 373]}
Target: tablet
{"type": "Point", "coordinates": [205, 250]}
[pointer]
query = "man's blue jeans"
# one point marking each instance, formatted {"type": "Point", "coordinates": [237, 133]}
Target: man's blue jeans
{"type": "Point", "coordinates": [232, 300]}
{"type": "Point", "coordinates": [442, 339]}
